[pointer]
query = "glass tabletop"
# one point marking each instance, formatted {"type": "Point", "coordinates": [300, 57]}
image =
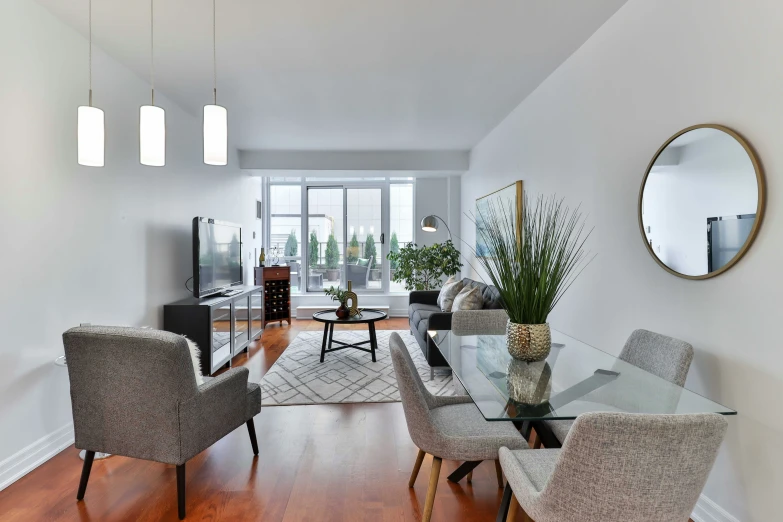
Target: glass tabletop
{"type": "Point", "coordinates": [574, 379]}
{"type": "Point", "coordinates": [365, 315]}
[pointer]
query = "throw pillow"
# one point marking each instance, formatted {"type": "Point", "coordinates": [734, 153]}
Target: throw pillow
{"type": "Point", "coordinates": [195, 358]}
{"type": "Point", "coordinates": [468, 299]}
{"type": "Point", "coordinates": [447, 294]}
{"type": "Point", "coordinates": [363, 262]}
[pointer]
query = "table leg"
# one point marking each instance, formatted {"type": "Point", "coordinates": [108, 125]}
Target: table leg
{"type": "Point", "coordinates": [323, 343]}
{"type": "Point", "coordinates": [373, 340]}
{"type": "Point", "coordinates": [331, 334]}
{"type": "Point", "coordinates": [465, 468]}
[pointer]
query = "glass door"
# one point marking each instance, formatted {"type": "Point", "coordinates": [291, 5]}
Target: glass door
{"type": "Point", "coordinates": [345, 237]}
{"type": "Point", "coordinates": [365, 250]}
{"type": "Point", "coordinates": [325, 237]}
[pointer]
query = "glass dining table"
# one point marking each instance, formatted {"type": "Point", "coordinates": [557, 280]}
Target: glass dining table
{"type": "Point", "coordinates": [575, 378]}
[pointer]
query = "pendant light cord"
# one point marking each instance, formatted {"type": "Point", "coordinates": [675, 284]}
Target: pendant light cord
{"type": "Point", "coordinates": [90, 54]}
{"type": "Point", "coordinates": [152, 49]}
{"type": "Point", "coordinates": [214, 53]}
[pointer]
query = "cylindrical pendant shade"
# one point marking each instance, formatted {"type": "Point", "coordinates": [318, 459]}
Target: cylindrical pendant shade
{"type": "Point", "coordinates": [215, 135]}
{"type": "Point", "coordinates": [90, 135]}
{"type": "Point", "coordinates": [152, 136]}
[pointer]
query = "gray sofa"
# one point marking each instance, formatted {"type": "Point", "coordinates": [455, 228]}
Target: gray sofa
{"type": "Point", "coordinates": [425, 314]}
{"type": "Point", "coordinates": [134, 393]}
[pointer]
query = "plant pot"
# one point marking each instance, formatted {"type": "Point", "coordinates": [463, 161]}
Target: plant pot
{"type": "Point", "coordinates": [332, 274]}
{"type": "Point", "coordinates": [528, 342]}
{"type": "Point", "coordinates": [375, 274]}
{"type": "Point", "coordinates": [529, 382]}
{"type": "Point", "coordinates": [342, 311]}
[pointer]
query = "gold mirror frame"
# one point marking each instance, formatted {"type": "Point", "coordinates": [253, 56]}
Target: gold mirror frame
{"type": "Point", "coordinates": [762, 191]}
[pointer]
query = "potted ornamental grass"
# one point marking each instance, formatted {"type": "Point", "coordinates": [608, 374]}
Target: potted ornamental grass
{"type": "Point", "coordinates": [532, 266]}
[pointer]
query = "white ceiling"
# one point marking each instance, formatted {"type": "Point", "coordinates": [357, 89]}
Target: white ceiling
{"type": "Point", "coordinates": [347, 74]}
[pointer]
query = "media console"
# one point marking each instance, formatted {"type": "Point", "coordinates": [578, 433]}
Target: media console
{"type": "Point", "coordinates": [221, 326]}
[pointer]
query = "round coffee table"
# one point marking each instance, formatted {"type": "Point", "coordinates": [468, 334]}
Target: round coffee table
{"type": "Point", "coordinates": [329, 318]}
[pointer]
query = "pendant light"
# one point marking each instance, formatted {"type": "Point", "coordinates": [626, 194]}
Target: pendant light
{"type": "Point", "coordinates": [90, 130]}
{"type": "Point", "coordinates": [215, 116]}
{"type": "Point", "coordinates": [152, 119]}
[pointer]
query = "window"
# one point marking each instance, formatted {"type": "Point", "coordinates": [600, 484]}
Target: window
{"type": "Point", "coordinates": [348, 230]}
{"type": "Point", "coordinates": [400, 224]}
{"type": "Point", "coordinates": [285, 228]}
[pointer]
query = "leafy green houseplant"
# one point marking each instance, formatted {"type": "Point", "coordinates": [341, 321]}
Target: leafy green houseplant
{"type": "Point", "coordinates": [291, 245]}
{"type": "Point", "coordinates": [533, 267]}
{"type": "Point", "coordinates": [339, 295]}
{"type": "Point", "coordinates": [423, 268]}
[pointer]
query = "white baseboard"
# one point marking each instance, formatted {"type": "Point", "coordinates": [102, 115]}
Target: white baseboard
{"type": "Point", "coordinates": [708, 511]}
{"type": "Point", "coordinates": [27, 459]}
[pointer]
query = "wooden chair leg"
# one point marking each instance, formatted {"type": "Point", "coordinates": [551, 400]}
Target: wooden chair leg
{"type": "Point", "coordinates": [430, 501]}
{"type": "Point", "coordinates": [499, 473]}
{"type": "Point", "coordinates": [251, 429]}
{"type": "Point", "coordinates": [470, 477]}
{"type": "Point", "coordinates": [416, 468]}
{"type": "Point", "coordinates": [86, 467]}
{"type": "Point", "coordinates": [181, 491]}
{"type": "Point", "coordinates": [513, 508]}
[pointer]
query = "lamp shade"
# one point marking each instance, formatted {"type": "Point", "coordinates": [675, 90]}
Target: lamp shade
{"type": "Point", "coordinates": [152, 136]}
{"type": "Point", "coordinates": [215, 135]}
{"type": "Point", "coordinates": [429, 224]}
{"type": "Point", "coordinates": [90, 135]}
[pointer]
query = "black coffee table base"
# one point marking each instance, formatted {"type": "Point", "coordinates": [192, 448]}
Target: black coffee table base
{"type": "Point", "coordinates": [326, 344]}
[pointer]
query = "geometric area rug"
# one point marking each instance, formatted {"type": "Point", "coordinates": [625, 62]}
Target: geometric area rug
{"type": "Point", "coordinates": [346, 376]}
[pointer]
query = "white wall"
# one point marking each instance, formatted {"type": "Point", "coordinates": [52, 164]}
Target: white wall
{"type": "Point", "coordinates": [588, 132]}
{"type": "Point", "coordinates": [713, 177]}
{"type": "Point", "coordinates": [84, 245]}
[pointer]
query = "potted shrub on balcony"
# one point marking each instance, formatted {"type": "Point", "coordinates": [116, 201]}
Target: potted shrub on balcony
{"type": "Point", "coordinates": [332, 259]}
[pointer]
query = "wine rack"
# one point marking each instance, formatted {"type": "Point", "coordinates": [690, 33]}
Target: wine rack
{"type": "Point", "coordinates": [276, 282]}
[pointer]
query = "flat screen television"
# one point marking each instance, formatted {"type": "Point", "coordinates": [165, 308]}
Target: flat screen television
{"type": "Point", "coordinates": [217, 256]}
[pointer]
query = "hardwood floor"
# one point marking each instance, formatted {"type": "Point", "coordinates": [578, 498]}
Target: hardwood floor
{"type": "Point", "coordinates": [317, 463]}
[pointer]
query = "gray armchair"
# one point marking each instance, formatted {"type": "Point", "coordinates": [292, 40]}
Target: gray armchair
{"type": "Point", "coordinates": [134, 393]}
{"type": "Point", "coordinates": [358, 275]}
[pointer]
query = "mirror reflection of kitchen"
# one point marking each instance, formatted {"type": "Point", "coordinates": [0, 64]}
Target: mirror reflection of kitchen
{"type": "Point", "coordinates": [699, 201]}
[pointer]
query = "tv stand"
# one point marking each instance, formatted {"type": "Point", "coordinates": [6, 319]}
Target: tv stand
{"type": "Point", "coordinates": [221, 326]}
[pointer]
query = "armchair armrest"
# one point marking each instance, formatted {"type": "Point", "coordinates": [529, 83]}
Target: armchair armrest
{"type": "Point", "coordinates": [429, 297]}
{"type": "Point", "coordinates": [217, 409]}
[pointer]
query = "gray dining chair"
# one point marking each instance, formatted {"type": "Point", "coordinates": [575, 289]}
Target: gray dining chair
{"type": "Point", "coordinates": [134, 393]}
{"type": "Point", "coordinates": [615, 466]}
{"type": "Point", "coordinates": [658, 354]}
{"type": "Point", "coordinates": [450, 428]}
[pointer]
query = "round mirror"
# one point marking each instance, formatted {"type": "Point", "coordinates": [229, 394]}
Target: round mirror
{"type": "Point", "coordinates": [701, 202]}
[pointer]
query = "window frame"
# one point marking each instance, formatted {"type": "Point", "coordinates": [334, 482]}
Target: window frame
{"type": "Point", "coordinates": [346, 183]}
